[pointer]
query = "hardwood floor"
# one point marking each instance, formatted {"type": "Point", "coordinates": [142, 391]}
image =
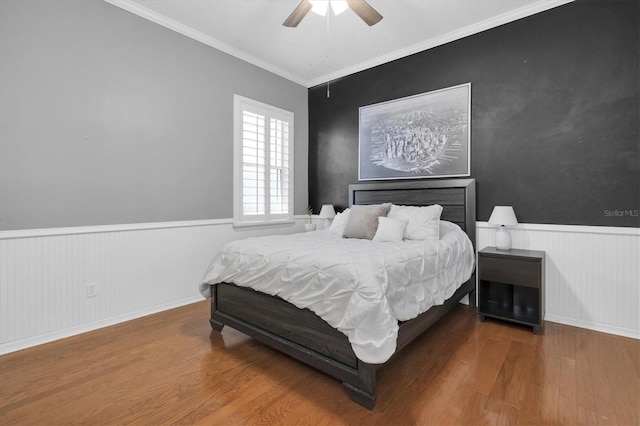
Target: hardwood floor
{"type": "Point", "coordinates": [170, 368]}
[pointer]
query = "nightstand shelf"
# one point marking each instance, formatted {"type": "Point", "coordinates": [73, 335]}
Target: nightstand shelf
{"type": "Point", "coordinates": [511, 286]}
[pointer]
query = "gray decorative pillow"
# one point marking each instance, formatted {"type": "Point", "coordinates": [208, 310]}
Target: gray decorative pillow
{"type": "Point", "coordinates": [363, 220]}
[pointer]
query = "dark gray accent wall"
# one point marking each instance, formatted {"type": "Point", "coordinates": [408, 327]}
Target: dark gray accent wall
{"type": "Point", "coordinates": [555, 114]}
{"type": "Point", "coordinates": [107, 118]}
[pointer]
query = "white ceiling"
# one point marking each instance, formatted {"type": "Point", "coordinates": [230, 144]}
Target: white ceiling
{"type": "Point", "coordinates": [321, 49]}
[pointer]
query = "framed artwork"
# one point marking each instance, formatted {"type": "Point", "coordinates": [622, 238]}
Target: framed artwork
{"type": "Point", "coordinates": [421, 136]}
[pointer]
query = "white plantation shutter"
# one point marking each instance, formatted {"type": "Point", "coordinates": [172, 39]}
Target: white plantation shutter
{"type": "Point", "coordinates": [263, 140]}
{"type": "Point", "coordinates": [279, 167]}
{"type": "Point", "coordinates": [253, 165]}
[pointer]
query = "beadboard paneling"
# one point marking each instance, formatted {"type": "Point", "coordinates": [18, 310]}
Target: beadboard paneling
{"type": "Point", "coordinates": [139, 270]}
{"type": "Point", "coordinates": [592, 273]}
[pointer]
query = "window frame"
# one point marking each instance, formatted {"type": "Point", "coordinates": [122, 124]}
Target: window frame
{"type": "Point", "coordinates": [242, 104]}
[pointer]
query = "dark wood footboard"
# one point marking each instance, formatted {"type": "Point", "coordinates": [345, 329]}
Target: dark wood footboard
{"type": "Point", "coordinates": [304, 336]}
{"type": "Point", "coordinates": [298, 333]}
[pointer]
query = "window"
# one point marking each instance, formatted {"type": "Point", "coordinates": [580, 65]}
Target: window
{"type": "Point", "coordinates": [263, 170]}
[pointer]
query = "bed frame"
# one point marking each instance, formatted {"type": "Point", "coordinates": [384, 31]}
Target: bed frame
{"type": "Point", "coordinates": [304, 336]}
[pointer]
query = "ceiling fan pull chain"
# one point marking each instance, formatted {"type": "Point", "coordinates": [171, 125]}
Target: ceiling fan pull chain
{"type": "Point", "coordinates": [328, 51]}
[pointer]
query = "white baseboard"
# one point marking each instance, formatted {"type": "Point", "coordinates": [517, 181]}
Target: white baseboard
{"type": "Point", "coordinates": [83, 328]}
{"type": "Point", "coordinates": [589, 325]}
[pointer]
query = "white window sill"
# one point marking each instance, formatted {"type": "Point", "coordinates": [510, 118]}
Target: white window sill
{"type": "Point", "coordinates": [271, 224]}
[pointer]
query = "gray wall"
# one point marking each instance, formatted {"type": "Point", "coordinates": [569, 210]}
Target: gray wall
{"type": "Point", "coordinates": [555, 114]}
{"type": "Point", "coordinates": [106, 118]}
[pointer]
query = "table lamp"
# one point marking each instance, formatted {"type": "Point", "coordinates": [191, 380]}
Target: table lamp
{"type": "Point", "coordinates": [327, 212]}
{"type": "Point", "coordinates": [503, 216]}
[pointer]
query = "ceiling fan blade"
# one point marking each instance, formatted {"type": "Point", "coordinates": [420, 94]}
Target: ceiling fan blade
{"type": "Point", "coordinates": [298, 13]}
{"type": "Point", "coordinates": [367, 13]}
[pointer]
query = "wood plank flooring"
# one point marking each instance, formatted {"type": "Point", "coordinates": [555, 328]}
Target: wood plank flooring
{"type": "Point", "coordinates": [170, 368]}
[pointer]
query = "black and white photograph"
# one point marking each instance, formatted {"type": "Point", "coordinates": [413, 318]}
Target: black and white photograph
{"type": "Point", "coordinates": [420, 136]}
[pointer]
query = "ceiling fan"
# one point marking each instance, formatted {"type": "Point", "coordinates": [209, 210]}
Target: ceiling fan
{"type": "Point", "coordinates": [361, 8]}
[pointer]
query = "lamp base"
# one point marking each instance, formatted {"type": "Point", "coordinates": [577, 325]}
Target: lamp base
{"type": "Point", "coordinates": [503, 239]}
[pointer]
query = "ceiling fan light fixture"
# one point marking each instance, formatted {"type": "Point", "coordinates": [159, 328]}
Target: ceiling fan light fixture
{"type": "Point", "coordinates": [319, 6]}
{"type": "Point", "coordinates": [360, 7]}
{"type": "Point", "coordinates": [339, 6]}
{"type": "Point", "coordinates": [322, 6]}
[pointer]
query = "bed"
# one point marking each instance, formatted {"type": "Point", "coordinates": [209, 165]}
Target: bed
{"type": "Point", "coordinates": [303, 335]}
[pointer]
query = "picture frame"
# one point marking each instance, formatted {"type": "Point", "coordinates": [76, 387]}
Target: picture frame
{"type": "Point", "coordinates": [421, 136]}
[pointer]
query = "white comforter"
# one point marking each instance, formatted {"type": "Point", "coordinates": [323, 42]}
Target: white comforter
{"type": "Point", "coordinates": [360, 287]}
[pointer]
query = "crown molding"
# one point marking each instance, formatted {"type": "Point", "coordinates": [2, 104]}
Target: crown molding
{"type": "Point", "coordinates": [487, 24]}
{"type": "Point", "coordinates": [194, 34]}
{"type": "Point", "coordinates": [523, 12]}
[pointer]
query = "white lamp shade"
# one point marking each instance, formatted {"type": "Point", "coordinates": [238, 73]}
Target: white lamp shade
{"type": "Point", "coordinates": [503, 215]}
{"type": "Point", "coordinates": [327, 211]}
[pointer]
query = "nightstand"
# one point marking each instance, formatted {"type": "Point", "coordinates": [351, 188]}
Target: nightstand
{"type": "Point", "coordinates": [511, 286]}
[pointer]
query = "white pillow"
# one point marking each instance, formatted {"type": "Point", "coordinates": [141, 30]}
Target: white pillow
{"type": "Point", "coordinates": [339, 223]}
{"type": "Point", "coordinates": [423, 223]}
{"type": "Point", "coordinates": [390, 229]}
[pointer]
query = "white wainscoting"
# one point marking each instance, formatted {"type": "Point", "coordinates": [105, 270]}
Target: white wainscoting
{"type": "Point", "coordinates": [592, 278]}
{"type": "Point", "coordinates": [592, 273]}
{"type": "Point", "coordinates": [138, 269]}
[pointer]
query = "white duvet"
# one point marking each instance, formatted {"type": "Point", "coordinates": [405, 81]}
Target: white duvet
{"type": "Point", "coordinates": [360, 287]}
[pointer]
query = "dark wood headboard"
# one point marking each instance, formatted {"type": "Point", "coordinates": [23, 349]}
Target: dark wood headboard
{"type": "Point", "coordinates": [456, 196]}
